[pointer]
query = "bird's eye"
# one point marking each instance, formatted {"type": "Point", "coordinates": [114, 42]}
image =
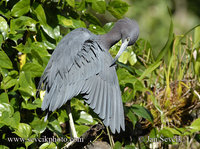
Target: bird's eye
{"type": "Point", "coordinates": [128, 39]}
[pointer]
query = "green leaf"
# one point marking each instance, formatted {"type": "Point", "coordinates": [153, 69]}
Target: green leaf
{"type": "Point", "coordinates": [117, 8]}
{"type": "Point", "coordinates": [172, 130]}
{"type": "Point", "coordinates": [56, 31]}
{"type": "Point", "coordinates": [12, 121]}
{"type": "Point", "coordinates": [96, 29]}
{"type": "Point", "coordinates": [124, 57]}
{"type": "Point", "coordinates": [4, 147]}
{"type": "Point", "coordinates": [139, 86]}
{"type": "Point", "coordinates": [142, 112]}
{"type": "Point", "coordinates": [48, 44]}
{"type": "Point", "coordinates": [197, 66]}
{"type": "Point", "coordinates": [27, 87]}
{"type": "Point", "coordinates": [9, 79]}
{"type": "Point", "coordinates": [20, 8]}
{"type": "Point", "coordinates": [80, 5]}
{"type": "Point", "coordinates": [63, 116]}
{"type": "Point", "coordinates": [8, 82]}
{"type": "Point", "coordinates": [4, 10]}
{"type": "Point", "coordinates": [4, 98]}
{"type": "Point", "coordinates": [1, 39]}
{"type": "Point", "coordinates": [130, 146]}
{"type": "Point", "coordinates": [5, 61]}
{"type": "Point", "coordinates": [32, 106]}
{"type": "Point", "coordinates": [125, 77]}
{"type": "Point", "coordinates": [128, 56]}
{"type": "Point", "coordinates": [54, 125]}
{"type": "Point", "coordinates": [23, 23]}
{"type": "Point", "coordinates": [35, 70]}
{"type": "Point", "coordinates": [78, 23]}
{"type": "Point", "coordinates": [157, 105]}
{"type": "Point", "coordinates": [71, 23]}
{"type": "Point", "coordinates": [81, 129]}
{"type": "Point", "coordinates": [195, 126]}
{"type": "Point", "coordinates": [92, 19]}
{"type": "Point", "coordinates": [167, 45]}
{"type": "Point", "coordinates": [85, 118]}
{"type": "Point", "coordinates": [117, 145]}
{"type": "Point", "coordinates": [48, 146]}
{"type": "Point", "coordinates": [108, 26]}
{"type": "Point", "coordinates": [40, 49]}
{"type": "Point", "coordinates": [127, 95]}
{"type": "Point", "coordinates": [196, 37]}
{"type": "Point", "coordinates": [48, 30]}
{"type": "Point", "coordinates": [132, 117]}
{"type": "Point", "coordinates": [24, 48]}
{"type": "Point", "coordinates": [64, 21]}
{"type": "Point", "coordinates": [166, 133]}
{"type": "Point", "coordinates": [4, 107]}
{"type": "Point", "coordinates": [40, 53]}
{"type": "Point", "coordinates": [15, 36]}
{"type": "Point", "coordinates": [151, 68]}
{"type": "Point", "coordinates": [30, 140]}
{"type": "Point", "coordinates": [3, 27]}
{"type": "Point", "coordinates": [39, 12]}
{"type": "Point", "coordinates": [153, 133]}
{"type": "Point", "coordinates": [71, 3]}
{"type": "Point", "coordinates": [23, 130]}
{"type": "Point", "coordinates": [78, 104]}
{"type": "Point", "coordinates": [4, 72]}
{"type": "Point", "coordinates": [99, 6]}
{"type": "Point", "coordinates": [181, 130]}
{"type": "Point", "coordinates": [15, 120]}
{"type": "Point", "coordinates": [132, 59]}
{"type": "Point", "coordinates": [3, 116]}
{"type": "Point", "coordinates": [38, 125]}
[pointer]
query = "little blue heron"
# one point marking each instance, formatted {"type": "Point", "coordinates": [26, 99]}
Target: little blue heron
{"type": "Point", "coordinates": [81, 64]}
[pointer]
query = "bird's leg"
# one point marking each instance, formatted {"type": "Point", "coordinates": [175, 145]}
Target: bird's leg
{"type": "Point", "coordinates": [110, 138]}
{"type": "Point", "coordinates": [71, 122]}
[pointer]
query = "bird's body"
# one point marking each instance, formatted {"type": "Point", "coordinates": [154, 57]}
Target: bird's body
{"type": "Point", "coordinates": [81, 64]}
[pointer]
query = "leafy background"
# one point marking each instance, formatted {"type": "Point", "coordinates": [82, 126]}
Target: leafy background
{"type": "Point", "coordinates": [159, 76]}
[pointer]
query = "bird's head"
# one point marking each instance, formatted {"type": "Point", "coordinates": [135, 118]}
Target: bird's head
{"type": "Point", "coordinates": [129, 30]}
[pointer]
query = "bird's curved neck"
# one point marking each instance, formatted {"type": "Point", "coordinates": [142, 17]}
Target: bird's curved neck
{"type": "Point", "coordinates": [111, 38]}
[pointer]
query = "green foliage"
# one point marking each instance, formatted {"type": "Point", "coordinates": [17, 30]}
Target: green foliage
{"type": "Point", "coordinates": [20, 8]}
{"type": "Point", "coordinates": [142, 112]}
{"type": "Point", "coordinates": [30, 30]}
{"type": "Point", "coordinates": [5, 61]}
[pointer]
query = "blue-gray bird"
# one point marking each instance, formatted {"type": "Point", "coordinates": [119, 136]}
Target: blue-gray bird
{"type": "Point", "coordinates": [81, 64]}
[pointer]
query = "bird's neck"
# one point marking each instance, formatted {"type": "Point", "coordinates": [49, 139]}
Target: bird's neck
{"type": "Point", "coordinates": [111, 38]}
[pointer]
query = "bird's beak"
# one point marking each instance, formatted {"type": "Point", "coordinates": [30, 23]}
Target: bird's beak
{"type": "Point", "coordinates": [121, 50]}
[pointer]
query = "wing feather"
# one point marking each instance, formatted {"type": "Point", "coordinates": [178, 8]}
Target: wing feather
{"type": "Point", "coordinates": [102, 107]}
{"type": "Point", "coordinates": [108, 100]}
{"type": "Point", "coordinates": [113, 111]}
{"type": "Point", "coordinates": [67, 67]}
{"type": "Point", "coordinates": [94, 98]}
{"type": "Point", "coordinates": [104, 95]}
{"type": "Point", "coordinates": [80, 65]}
{"type": "Point", "coordinates": [100, 100]}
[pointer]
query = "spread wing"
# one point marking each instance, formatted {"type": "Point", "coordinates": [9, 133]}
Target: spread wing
{"type": "Point", "coordinates": [79, 65]}
{"type": "Point", "coordinates": [104, 96]}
